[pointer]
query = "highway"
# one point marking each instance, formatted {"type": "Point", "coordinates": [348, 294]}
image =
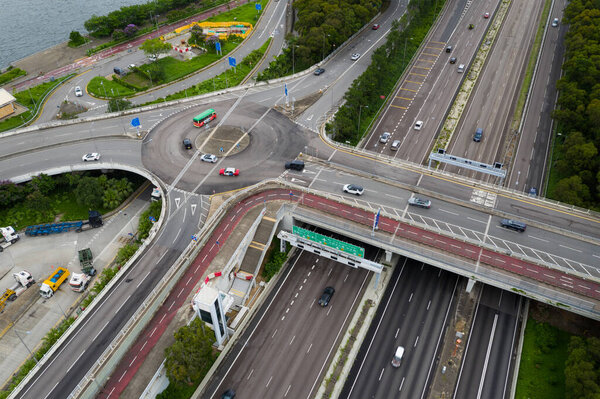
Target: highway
{"type": "Point", "coordinates": [487, 362]}
{"type": "Point", "coordinates": [459, 205]}
{"type": "Point", "coordinates": [295, 325]}
{"type": "Point", "coordinates": [412, 314]}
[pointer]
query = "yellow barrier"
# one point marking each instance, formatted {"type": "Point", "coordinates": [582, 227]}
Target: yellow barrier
{"type": "Point", "coordinates": [222, 29]}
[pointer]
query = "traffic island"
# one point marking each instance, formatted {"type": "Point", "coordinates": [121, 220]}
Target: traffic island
{"type": "Point", "coordinates": [224, 141]}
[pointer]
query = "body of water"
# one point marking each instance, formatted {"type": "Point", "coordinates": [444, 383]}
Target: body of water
{"type": "Point", "coordinates": [29, 26]}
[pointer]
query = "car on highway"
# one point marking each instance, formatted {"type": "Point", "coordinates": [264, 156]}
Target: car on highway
{"type": "Point", "coordinates": [397, 359]}
{"type": "Point", "coordinates": [533, 192]}
{"type": "Point", "coordinates": [353, 189]}
{"type": "Point", "coordinates": [385, 137]}
{"type": "Point", "coordinates": [355, 56]}
{"type": "Point", "coordinates": [419, 202]}
{"type": "Point", "coordinates": [187, 144]}
{"type": "Point", "coordinates": [513, 225]}
{"type": "Point", "coordinates": [471, 26]}
{"type": "Point", "coordinates": [449, 49]}
{"type": "Point", "coordinates": [555, 22]}
{"type": "Point", "coordinates": [486, 15]}
{"type": "Point", "coordinates": [452, 60]}
{"type": "Point", "coordinates": [228, 394]}
{"type": "Point", "coordinates": [326, 297]}
{"type": "Point", "coordinates": [92, 156]}
{"type": "Point", "coordinates": [395, 145]}
{"type": "Point", "coordinates": [209, 158]}
{"type": "Point", "coordinates": [376, 26]}
{"type": "Point", "coordinates": [78, 91]}
{"type": "Point", "coordinates": [229, 172]}
{"type": "Point", "coordinates": [461, 68]}
{"type": "Point", "coordinates": [319, 71]}
{"type": "Point", "coordinates": [478, 135]}
{"type": "Point", "coordinates": [418, 125]}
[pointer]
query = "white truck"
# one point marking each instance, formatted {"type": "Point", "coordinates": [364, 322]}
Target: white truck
{"type": "Point", "coordinates": [8, 236]}
{"type": "Point", "coordinates": [80, 281]}
{"type": "Point", "coordinates": [23, 281]}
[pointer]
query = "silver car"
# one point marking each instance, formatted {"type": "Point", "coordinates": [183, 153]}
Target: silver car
{"type": "Point", "coordinates": [421, 203]}
{"type": "Point", "coordinates": [355, 56]}
{"type": "Point", "coordinates": [385, 137]}
{"type": "Point", "coordinates": [209, 158]}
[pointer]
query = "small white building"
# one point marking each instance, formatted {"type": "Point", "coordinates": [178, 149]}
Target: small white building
{"type": "Point", "coordinates": [211, 306]}
{"type": "Point", "coordinates": [7, 103]}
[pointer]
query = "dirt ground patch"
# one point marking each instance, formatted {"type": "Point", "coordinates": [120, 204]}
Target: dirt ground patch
{"type": "Point", "coordinates": [564, 320]}
{"type": "Point", "coordinates": [299, 105]}
{"type": "Point", "coordinates": [223, 140]}
{"type": "Point", "coordinates": [69, 110]}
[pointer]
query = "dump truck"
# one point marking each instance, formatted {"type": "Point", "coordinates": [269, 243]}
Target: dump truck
{"type": "Point", "coordinates": [8, 236]}
{"type": "Point", "coordinates": [94, 220]}
{"type": "Point", "coordinates": [52, 283]}
{"type": "Point", "coordinates": [80, 281]}
{"type": "Point", "coordinates": [23, 280]}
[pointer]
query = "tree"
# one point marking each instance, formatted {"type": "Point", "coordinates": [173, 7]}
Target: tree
{"type": "Point", "coordinates": [42, 183]}
{"type": "Point", "coordinates": [192, 354]}
{"type": "Point", "coordinates": [89, 192]}
{"type": "Point", "coordinates": [572, 191]}
{"type": "Point", "coordinates": [37, 201]}
{"type": "Point", "coordinates": [118, 105]}
{"type": "Point", "coordinates": [76, 39]}
{"type": "Point", "coordinates": [155, 47]}
{"type": "Point", "coordinates": [130, 30]}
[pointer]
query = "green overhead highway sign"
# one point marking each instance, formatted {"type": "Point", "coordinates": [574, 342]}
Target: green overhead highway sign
{"type": "Point", "coordinates": [328, 241]}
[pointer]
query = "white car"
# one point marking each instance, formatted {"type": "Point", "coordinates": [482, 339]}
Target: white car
{"type": "Point", "coordinates": [385, 137]}
{"type": "Point", "coordinates": [555, 22]}
{"type": "Point", "coordinates": [419, 202]}
{"type": "Point", "coordinates": [93, 156]}
{"type": "Point", "coordinates": [78, 91]}
{"type": "Point", "coordinates": [353, 189]}
{"type": "Point", "coordinates": [355, 56]}
{"type": "Point", "coordinates": [131, 66]}
{"type": "Point", "coordinates": [209, 158]}
{"type": "Point", "coordinates": [418, 125]}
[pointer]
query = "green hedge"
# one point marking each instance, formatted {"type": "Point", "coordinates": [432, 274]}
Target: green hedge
{"type": "Point", "coordinates": [275, 259]}
{"type": "Point", "coordinates": [11, 74]}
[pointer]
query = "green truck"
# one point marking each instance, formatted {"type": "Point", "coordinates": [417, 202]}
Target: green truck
{"type": "Point", "coordinates": [80, 281]}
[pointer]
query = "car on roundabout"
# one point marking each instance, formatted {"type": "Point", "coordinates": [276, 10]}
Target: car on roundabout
{"type": "Point", "coordinates": [92, 156]}
{"type": "Point", "coordinates": [78, 91]}
{"type": "Point", "coordinates": [353, 189]}
{"type": "Point", "coordinates": [229, 172]}
{"type": "Point", "coordinates": [209, 158]}
{"type": "Point", "coordinates": [419, 202]}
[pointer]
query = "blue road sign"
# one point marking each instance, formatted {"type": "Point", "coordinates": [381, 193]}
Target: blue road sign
{"type": "Point", "coordinates": [218, 46]}
{"type": "Point", "coordinates": [258, 6]}
{"type": "Point", "coordinates": [232, 61]}
{"type": "Point", "coordinates": [135, 122]}
{"type": "Point", "coordinates": [285, 88]}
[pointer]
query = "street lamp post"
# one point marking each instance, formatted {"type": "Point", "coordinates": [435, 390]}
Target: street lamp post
{"type": "Point", "coordinates": [25, 345]}
{"type": "Point", "coordinates": [102, 84]}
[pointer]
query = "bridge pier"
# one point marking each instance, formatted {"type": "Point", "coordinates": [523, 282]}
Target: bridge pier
{"type": "Point", "coordinates": [470, 285]}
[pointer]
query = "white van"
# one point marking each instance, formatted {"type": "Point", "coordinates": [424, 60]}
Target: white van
{"type": "Point", "coordinates": [397, 359]}
{"type": "Point", "coordinates": [461, 68]}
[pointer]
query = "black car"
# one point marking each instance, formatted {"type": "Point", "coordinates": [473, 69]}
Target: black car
{"type": "Point", "coordinates": [228, 394]}
{"type": "Point", "coordinates": [453, 60]}
{"type": "Point", "coordinates": [187, 144]}
{"type": "Point", "coordinates": [326, 297]}
{"type": "Point", "coordinates": [319, 71]}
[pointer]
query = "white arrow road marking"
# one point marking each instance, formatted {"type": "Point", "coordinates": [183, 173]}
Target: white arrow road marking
{"type": "Point", "coordinates": [193, 209]}
{"type": "Point", "coordinates": [177, 201]}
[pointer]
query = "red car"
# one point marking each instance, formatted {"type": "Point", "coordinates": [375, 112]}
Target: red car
{"type": "Point", "coordinates": [376, 26]}
{"type": "Point", "coordinates": [229, 172]}
{"type": "Point", "coordinates": [486, 15]}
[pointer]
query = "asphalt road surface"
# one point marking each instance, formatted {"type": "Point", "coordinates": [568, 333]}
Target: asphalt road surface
{"type": "Point", "coordinates": [487, 362]}
{"type": "Point", "coordinates": [286, 353]}
{"type": "Point", "coordinates": [412, 314]}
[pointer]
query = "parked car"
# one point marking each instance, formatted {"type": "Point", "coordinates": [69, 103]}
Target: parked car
{"type": "Point", "coordinates": [209, 158]}
{"type": "Point", "coordinates": [353, 189]}
{"type": "Point", "coordinates": [418, 125]}
{"type": "Point", "coordinates": [385, 137]}
{"type": "Point", "coordinates": [93, 156]}
{"type": "Point", "coordinates": [319, 71]}
{"type": "Point", "coordinates": [513, 225]}
{"type": "Point", "coordinates": [376, 26]}
{"type": "Point", "coordinates": [229, 172]}
{"type": "Point", "coordinates": [296, 164]}
{"type": "Point", "coordinates": [419, 202]}
{"type": "Point", "coordinates": [555, 22]}
{"type": "Point", "coordinates": [326, 297]}
{"type": "Point", "coordinates": [78, 91]}
{"type": "Point", "coordinates": [187, 144]}
{"type": "Point", "coordinates": [355, 56]}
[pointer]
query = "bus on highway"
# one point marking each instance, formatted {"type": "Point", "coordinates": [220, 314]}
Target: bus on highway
{"type": "Point", "coordinates": [205, 117]}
